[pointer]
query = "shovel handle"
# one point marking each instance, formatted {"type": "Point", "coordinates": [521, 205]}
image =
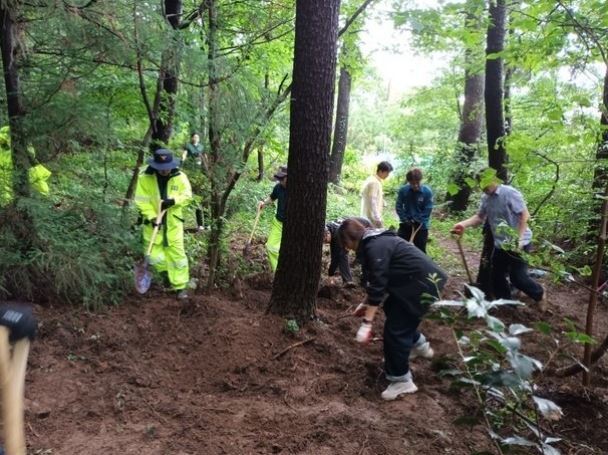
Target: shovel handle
{"type": "Point", "coordinates": [159, 219]}
{"type": "Point", "coordinates": [413, 236]}
{"type": "Point", "coordinates": [255, 224]}
{"type": "Point", "coordinates": [462, 256]}
{"type": "Point", "coordinates": [13, 379]}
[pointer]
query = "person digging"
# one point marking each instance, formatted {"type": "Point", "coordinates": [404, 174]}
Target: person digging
{"type": "Point", "coordinates": [397, 273]}
{"type": "Point", "coordinates": [504, 208]}
{"type": "Point", "coordinates": [339, 255]}
{"type": "Point", "coordinates": [163, 187]}
{"type": "Point", "coordinates": [279, 194]}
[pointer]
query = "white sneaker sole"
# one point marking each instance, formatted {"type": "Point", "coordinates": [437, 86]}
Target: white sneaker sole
{"type": "Point", "coordinates": [394, 397]}
{"type": "Point", "coordinates": [427, 355]}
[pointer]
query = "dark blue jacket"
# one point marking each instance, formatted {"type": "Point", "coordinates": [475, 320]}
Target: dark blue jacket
{"type": "Point", "coordinates": [395, 267]}
{"type": "Point", "coordinates": [414, 206]}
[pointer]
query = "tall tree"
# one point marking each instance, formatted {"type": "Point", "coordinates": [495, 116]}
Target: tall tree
{"type": "Point", "coordinates": [494, 90]}
{"type": "Point", "coordinates": [495, 123]}
{"type": "Point", "coordinates": [297, 277]}
{"type": "Point", "coordinates": [216, 203]}
{"type": "Point", "coordinates": [168, 75]}
{"type": "Point", "coordinates": [341, 126]}
{"type": "Point", "coordinates": [471, 119]}
{"type": "Point", "coordinates": [9, 41]}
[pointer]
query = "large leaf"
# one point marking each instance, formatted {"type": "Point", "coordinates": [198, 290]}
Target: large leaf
{"type": "Point", "coordinates": [548, 408]}
{"type": "Point", "coordinates": [518, 329]}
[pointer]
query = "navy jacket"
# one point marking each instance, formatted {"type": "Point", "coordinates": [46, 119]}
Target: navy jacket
{"type": "Point", "coordinates": [414, 206]}
{"type": "Point", "coordinates": [395, 267]}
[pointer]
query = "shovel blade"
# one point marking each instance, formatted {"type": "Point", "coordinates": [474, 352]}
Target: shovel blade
{"type": "Point", "coordinates": [143, 277]}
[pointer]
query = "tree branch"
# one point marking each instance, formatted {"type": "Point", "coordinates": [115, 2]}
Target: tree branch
{"type": "Point", "coordinates": [555, 181]}
{"type": "Point", "coordinates": [354, 17]}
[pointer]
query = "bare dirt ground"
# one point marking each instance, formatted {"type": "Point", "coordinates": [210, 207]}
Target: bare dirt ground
{"type": "Point", "coordinates": [143, 379]}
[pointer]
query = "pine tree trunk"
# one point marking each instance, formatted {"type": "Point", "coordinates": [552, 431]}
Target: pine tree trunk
{"type": "Point", "coordinates": [168, 75]}
{"type": "Point", "coordinates": [341, 127]}
{"type": "Point", "coordinates": [217, 213]}
{"type": "Point", "coordinates": [14, 101]}
{"type": "Point", "coordinates": [260, 163]}
{"type": "Point", "coordinates": [600, 177]}
{"type": "Point", "coordinates": [297, 277]}
{"type": "Point", "coordinates": [471, 121]}
{"type": "Point", "coordinates": [495, 124]}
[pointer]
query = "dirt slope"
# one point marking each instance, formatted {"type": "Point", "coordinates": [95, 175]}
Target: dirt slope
{"type": "Point", "coordinates": [141, 379]}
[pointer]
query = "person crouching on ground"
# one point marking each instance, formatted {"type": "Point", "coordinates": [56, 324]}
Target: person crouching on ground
{"type": "Point", "coordinates": [339, 256]}
{"type": "Point", "coordinates": [163, 185]}
{"type": "Point", "coordinates": [392, 266]}
{"type": "Point", "coordinates": [279, 194]}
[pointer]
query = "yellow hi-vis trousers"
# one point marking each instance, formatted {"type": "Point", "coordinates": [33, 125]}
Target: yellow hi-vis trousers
{"type": "Point", "coordinates": [273, 244]}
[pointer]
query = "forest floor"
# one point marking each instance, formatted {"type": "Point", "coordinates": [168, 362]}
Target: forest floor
{"type": "Point", "coordinates": [141, 378]}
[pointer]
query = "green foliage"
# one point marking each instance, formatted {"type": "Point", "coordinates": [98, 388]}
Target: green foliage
{"type": "Point", "coordinates": [291, 326]}
{"type": "Point", "coordinates": [499, 373]}
{"type": "Point", "coordinates": [79, 253]}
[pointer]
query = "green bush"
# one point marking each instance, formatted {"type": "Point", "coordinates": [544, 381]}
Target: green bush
{"type": "Point", "coordinates": [81, 253]}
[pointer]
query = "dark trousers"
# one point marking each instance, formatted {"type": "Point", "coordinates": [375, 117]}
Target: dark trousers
{"type": "Point", "coordinates": [400, 336]}
{"type": "Point", "coordinates": [406, 230]}
{"type": "Point", "coordinates": [339, 260]}
{"type": "Point", "coordinates": [511, 264]}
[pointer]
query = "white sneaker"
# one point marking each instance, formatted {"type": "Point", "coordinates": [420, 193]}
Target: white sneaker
{"type": "Point", "coordinates": [424, 350]}
{"type": "Point", "coordinates": [395, 389]}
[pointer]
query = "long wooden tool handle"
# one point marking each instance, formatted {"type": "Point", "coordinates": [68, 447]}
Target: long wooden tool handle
{"type": "Point", "coordinates": [159, 219]}
{"type": "Point", "coordinates": [413, 236]}
{"type": "Point", "coordinates": [13, 378]}
{"type": "Point", "coordinates": [464, 259]}
{"type": "Point", "coordinates": [255, 224]}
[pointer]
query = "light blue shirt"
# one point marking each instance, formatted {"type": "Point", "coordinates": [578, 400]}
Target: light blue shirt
{"type": "Point", "coordinates": [503, 210]}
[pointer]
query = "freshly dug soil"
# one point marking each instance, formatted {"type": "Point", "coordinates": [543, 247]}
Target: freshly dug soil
{"type": "Point", "coordinates": [142, 378]}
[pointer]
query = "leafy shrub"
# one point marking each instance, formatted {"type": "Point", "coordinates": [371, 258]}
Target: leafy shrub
{"type": "Point", "coordinates": [77, 253]}
{"type": "Point", "coordinates": [501, 376]}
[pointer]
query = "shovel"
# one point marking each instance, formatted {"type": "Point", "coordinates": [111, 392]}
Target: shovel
{"type": "Point", "coordinates": [143, 276]}
{"type": "Point", "coordinates": [255, 225]}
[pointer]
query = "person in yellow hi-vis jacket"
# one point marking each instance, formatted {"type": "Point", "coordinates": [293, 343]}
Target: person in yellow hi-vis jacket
{"type": "Point", "coordinates": [37, 174]}
{"type": "Point", "coordinates": [38, 177]}
{"type": "Point", "coordinates": [279, 194]}
{"type": "Point", "coordinates": [163, 185]}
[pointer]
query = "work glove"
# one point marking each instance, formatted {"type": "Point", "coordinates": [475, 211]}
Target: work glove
{"type": "Point", "coordinates": [364, 334]}
{"type": "Point", "coordinates": [360, 310]}
{"type": "Point", "coordinates": [167, 203]}
{"type": "Point", "coordinates": [458, 229]}
{"type": "Point", "coordinates": [19, 320]}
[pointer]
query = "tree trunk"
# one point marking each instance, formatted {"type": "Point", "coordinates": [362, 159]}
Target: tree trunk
{"type": "Point", "coordinates": [495, 119]}
{"type": "Point", "coordinates": [595, 281]}
{"type": "Point", "coordinates": [341, 127]}
{"type": "Point", "coordinates": [213, 251]}
{"type": "Point", "coordinates": [495, 123]}
{"type": "Point", "coordinates": [260, 163]}
{"type": "Point", "coordinates": [600, 177]}
{"type": "Point", "coordinates": [297, 278]}
{"type": "Point", "coordinates": [168, 75]}
{"type": "Point", "coordinates": [471, 120]}
{"type": "Point", "coordinates": [14, 101]}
